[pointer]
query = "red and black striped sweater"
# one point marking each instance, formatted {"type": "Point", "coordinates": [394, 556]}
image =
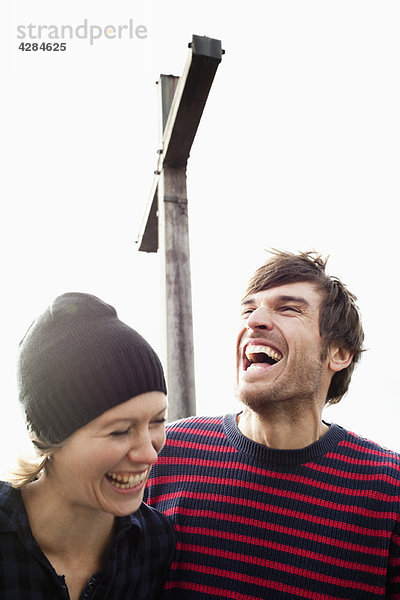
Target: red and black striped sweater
{"type": "Point", "coordinates": [321, 523]}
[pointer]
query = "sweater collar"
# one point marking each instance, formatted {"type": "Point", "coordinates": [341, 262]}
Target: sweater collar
{"type": "Point", "coordinates": [281, 457]}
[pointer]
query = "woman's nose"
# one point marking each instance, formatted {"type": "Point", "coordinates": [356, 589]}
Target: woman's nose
{"type": "Point", "coordinates": [144, 451]}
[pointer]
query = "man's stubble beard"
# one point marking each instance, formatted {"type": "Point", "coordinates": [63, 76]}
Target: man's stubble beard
{"type": "Point", "coordinates": [287, 397]}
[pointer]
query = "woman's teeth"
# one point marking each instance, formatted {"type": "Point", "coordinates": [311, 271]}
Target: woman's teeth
{"type": "Point", "coordinates": [125, 482]}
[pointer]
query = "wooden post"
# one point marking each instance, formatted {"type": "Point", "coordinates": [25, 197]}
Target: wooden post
{"type": "Point", "coordinates": [176, 288]}
{"type": "Point", "coordinates": [165, 224]}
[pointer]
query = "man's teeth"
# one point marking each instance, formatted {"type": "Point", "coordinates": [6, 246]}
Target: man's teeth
{"type": "Point", "coordinates": [125, 482]}
{"type": "Point", "coordinates": [253, 349]}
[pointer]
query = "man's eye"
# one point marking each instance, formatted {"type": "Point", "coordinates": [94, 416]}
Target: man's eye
{"type": "Point", "coordinates": [289, 309]}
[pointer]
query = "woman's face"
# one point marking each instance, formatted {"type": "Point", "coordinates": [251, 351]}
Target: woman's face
{"type": "Point", "coordinates": [104, 465]}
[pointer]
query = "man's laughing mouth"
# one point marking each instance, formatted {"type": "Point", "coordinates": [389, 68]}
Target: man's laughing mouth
{"type": "Point", "coordinates": [259, 354]}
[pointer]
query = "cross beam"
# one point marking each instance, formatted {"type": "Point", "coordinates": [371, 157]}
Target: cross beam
{"type": "Point", "coordinates": [165, 223]}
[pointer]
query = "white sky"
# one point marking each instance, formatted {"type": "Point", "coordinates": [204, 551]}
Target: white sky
{"type": "Point", "coordinates": [298, 149]}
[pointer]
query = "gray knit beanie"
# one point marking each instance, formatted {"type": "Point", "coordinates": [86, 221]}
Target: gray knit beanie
{"type": "Point", "coordinates": [78, 360]}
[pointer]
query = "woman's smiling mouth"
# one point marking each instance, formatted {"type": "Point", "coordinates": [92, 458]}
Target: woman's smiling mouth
{"type": "Point", "coordinates": [125, 481]}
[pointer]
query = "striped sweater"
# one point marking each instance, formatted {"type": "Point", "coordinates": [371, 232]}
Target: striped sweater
{"type": "Point", "coordinates": [253, 522]}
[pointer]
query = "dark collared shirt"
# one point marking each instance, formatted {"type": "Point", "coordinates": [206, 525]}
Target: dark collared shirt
{"type": "Point", "coordinates": [137, 563]}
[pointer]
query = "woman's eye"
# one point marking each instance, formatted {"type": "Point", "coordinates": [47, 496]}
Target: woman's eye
{"type": "Point", "coordinates": [120, 433]}
{"type": "Point", "coordinates": [159, 421]}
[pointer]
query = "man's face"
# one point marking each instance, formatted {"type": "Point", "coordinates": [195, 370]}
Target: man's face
{"type": "Point", "coordinates": [280, 354]}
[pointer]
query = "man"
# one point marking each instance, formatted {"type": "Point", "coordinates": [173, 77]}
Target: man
{"type": "Point", "coordinates": [275, 502]}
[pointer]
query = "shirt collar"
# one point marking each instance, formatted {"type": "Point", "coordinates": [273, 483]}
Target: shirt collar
{"type": "Point", "coordinates": [13, 514]}
{"type": "Point", "coordinates": [11, 507]}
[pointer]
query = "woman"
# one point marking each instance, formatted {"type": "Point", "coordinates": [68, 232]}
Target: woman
{"type": "Point", "coordinates": [72, 521]}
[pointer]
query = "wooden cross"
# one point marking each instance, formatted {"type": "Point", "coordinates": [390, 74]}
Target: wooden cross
{"type": "Point", "coordinates": [165, 223]}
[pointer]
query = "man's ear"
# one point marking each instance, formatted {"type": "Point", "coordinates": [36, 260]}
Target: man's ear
{"type": "Point", "coordinates": [340, 358]}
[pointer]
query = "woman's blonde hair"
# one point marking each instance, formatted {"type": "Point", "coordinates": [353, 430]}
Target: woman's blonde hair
{"type": "Point", "coordinates": [32, 466]}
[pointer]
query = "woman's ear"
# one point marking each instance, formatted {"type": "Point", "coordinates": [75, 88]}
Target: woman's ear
{"type": "Point", "coordinates": [340, 358]}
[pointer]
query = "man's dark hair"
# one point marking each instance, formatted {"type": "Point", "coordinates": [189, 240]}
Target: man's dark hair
{"type": "Point", "coordinates": [339, 318]}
